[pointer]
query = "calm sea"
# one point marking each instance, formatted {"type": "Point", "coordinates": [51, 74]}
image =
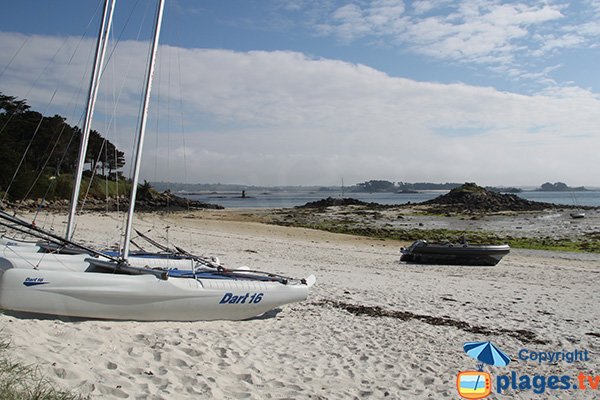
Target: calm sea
{"type": "Point", "coordinates": [280, 199]}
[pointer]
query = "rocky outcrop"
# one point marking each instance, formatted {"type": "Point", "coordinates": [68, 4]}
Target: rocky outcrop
{"type": "Point", "coordinates": [330, 202]}
{"type": "Point", "coordinates": [470, 198]}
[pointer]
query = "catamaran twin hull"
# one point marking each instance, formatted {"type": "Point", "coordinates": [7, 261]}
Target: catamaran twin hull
{"type": "Point", "coordinates": [78, 285]}
{"type": "Point", "coordinates": [143, 297]}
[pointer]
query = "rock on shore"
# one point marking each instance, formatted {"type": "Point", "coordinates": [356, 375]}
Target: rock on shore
{"type": "Point", "coordinates": [331, 202]}
{"type": "Point", "coordinates": [470, 198]}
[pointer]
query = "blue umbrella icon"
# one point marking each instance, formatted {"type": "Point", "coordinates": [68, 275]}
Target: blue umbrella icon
{"type": "Point", "coordinates": [486, 353]}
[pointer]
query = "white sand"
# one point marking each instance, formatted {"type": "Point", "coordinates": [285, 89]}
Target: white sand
{"type": "Point", "coordinates": [314, 349]}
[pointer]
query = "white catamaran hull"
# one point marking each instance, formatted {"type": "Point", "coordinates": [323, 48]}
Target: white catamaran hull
{"type": "Point", "coordinates": [142, 297]}
{"type": "Point", "coordinates": [9, 258]}
{"type": "Point", "coordinates": [65, 285]}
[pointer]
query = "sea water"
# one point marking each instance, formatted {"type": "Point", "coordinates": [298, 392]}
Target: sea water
{"type": "Point", "coordinates": [287, 199]}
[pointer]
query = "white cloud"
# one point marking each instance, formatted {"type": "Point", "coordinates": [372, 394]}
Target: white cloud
{"type": "Point", "coordinates": [551, 43]}
{"type": "Point", "coordinates": [284, 118]}
{"type": "Point", "coordinates": [424, 6]}
{"type": "Point", "coordinates": [379, 18]}
{"type": "Point", "coordinates": [594, 5]}
{"type": "Point", "coordinates": [490, 35]}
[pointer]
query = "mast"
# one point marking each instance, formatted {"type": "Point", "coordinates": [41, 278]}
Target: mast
{"type": "Point", "coordinates": [105, 26]}
{"type": "Point", "coordinates": [142, 131]}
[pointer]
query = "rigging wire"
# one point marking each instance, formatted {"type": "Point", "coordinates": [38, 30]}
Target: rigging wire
{"type": "Point", "coordinates": [93, 171]}
{"type": "Point", "coordinates": [170, 118]}
{"type": "Point", "coordinates": [27, 37]}
{"type": "Point", "coordinates": [43, 167]}
{"type": "Point", "coordinates": [169, 125]}
{"type": "Point", "coordinates": [15, 55]}
{"type": "Point", "coordinates": [99, 58]}
{"type": "Point", "coordinates": [133, 139]}
{"type": "Point", "coordinates": [52, 183]}
{"type": "Point", "coordinates": [43, 73]}
{"type": "Point", "coordinates": [182, 118]}
{"type": "Point", "coordinates": [26, 151]}
{"type": "Point", "coordinates": [158, 109]}
{"type": "Point", "coordinates": [142, 126]}
{"type": "Point", "coordinates": [74, 103]}
{"type": "Point", "coordinates": [112, 122]}
{"type": "Point", "coordinates": [53, 58]}
{"type": "Point", "coordinates": [116, 97]}
{"type": "Point", "coordinates": [64, 126]}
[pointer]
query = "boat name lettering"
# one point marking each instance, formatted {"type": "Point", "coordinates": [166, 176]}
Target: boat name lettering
{"type": "Point", "coordinates": [230, 298]}
{"type": "Point", "coordinates": [33, 281]}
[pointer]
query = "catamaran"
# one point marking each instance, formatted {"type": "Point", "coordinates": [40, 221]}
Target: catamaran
{"type": "Point", "coordinates": [96, 284]}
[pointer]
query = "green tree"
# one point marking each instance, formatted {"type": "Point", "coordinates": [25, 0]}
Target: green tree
{"type": "Point", "coordinates": [11, 105]}
{"type": "Point", "coordinates": [37, 149]}
{"type": "Point", "coordinates": [376, 186]}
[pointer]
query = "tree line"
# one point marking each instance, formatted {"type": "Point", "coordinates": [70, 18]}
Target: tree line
{"type": "Point", "coordinates": [373, 186]}
{"type": "Point", "coordinates": [38, 154]}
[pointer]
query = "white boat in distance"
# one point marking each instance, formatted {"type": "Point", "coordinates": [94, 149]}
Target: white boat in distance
{"type": "Point", "coordinates": [99, 285]}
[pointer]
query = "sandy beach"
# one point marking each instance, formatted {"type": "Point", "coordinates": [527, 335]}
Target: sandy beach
{"type": "Point", "coordinates": [372, 327]}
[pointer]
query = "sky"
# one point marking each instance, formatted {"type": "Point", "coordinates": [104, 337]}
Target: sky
{"type": "Point", "coordinates": [316, 92]}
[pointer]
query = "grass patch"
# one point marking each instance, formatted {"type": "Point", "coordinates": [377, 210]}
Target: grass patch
{"type": "Point", "coordinates": [589, 245]}
{"type": "Point", "coordinates": [583, 245]}
{"type": "Point", "coordinates": [23, 382]}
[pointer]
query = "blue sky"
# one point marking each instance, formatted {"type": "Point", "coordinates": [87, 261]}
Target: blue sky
{"type": "Point", "coordinates": [309, 92]}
